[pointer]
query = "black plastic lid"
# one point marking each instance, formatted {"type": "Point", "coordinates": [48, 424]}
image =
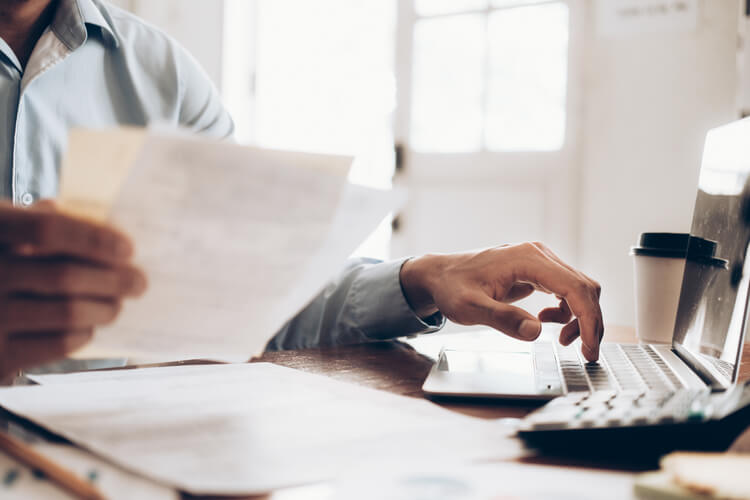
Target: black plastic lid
{"type": "Point", "coordinates": [704, 251]}
{"type": "Point", "coordinates": [672, 245]}
{"type": "Point", "coordinates": [678, 245]}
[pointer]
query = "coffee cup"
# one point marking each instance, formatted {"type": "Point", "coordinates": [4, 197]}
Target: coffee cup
{"type": "Point", "coordinates": [659, 264]}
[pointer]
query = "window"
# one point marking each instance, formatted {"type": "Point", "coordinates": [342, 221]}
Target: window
{"type": "Point", "coordinates": [474, 76]}
{"type": "Point", "coordinates": [324, 82]}
{"type": "Point", "coordinates": [319, 78]}
{"type": "Point", "coordinates": [489, 76]}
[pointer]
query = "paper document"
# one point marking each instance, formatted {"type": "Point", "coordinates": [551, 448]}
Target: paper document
{"type": "Point", "coordinates": [234, 240]}
{"type": "Point", "coordinates": [495, 481]}
{"type": "Point", "coordinates": [249, 428]}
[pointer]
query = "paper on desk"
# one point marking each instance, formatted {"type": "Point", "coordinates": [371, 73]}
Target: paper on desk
{"type": "Point", "coordinates": [19, 482]}
{"type": "Point", "coordinates": [495, 481]}
{"type": "Point", "coordinates": [249, 428]}
{"type": "Point", "coordinates": [235, 240]}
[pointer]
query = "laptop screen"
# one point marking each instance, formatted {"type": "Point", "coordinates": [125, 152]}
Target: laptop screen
{"type": "Point", "coordinates": [711, 317]}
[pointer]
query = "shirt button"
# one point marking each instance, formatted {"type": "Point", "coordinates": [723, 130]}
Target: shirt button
{"type": "Point", "coordinates": [27, 199]}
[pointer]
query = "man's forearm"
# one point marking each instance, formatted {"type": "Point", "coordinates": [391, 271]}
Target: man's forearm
{"type": "Point", "coordinates": [364, 303]}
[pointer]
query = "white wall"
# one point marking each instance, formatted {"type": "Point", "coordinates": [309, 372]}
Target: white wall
{"type": "Point", "coordinates": [648, 101]}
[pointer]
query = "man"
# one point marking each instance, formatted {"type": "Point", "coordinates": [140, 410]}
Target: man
{"type": "Point", "coordinates": [66, 63]}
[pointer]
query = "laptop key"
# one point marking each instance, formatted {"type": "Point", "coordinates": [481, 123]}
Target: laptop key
{"type": "Point", "coordinates": [663, 367]}
{"type": "Point", "coordinates": [600, 379]}
{"type": "Point", "coordinates": [623, 371]}
{"type": "Point", "coordinates": [655, 377]}
{"type": "Point", "coordinates": [615, 417]}
{"type": "Point", "coordinates": [555, 417]}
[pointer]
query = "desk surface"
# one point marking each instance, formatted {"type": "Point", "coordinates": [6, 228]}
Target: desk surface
{"type": "Point", "coordinates": [397, 368]}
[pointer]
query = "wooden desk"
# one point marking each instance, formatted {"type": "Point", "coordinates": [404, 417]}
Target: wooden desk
{"type": "Point", "coordinates": [397, 368]}
{"type": "Point", "coordinates": [388, 366]}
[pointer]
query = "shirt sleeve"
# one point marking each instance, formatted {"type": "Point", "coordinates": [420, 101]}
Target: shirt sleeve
{"type": "Point", "coordinates": [364, 303]}
{"type": "Point", "coordinates": [201, 107]}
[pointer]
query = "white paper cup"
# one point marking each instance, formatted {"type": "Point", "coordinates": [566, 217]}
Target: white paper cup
{"type": "Point", "coordinates": [658, 281]}
{"type": "Point", "coordinates": [659, 263]}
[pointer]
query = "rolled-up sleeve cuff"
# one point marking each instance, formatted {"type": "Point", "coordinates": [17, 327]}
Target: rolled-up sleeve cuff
{"type": "Point", "coordinates": [380, 308]}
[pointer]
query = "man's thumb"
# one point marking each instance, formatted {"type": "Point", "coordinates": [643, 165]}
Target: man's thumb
{"type": "Point", "coordinates": [512, 320]}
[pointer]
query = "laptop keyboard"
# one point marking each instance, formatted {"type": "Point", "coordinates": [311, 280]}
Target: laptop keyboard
{"type": "Point", "coordinates": [630, 385]}
{"type": "Point", "coordinates": [622, 368]}
{"type": "Point", "coordinates": [572, 371]}
{"type": "Point", "coordinates": [654, 371]}
{"type": "Point", "coordinates": [726, 369]}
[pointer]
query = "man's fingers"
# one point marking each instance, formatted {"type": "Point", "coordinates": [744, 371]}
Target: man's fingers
{"type": "Point", "coordinates": [519, 291]}
{"type": "Point", "coordinates": [511, 320]}
{"type": "Point", "coordinates": [590, 347]}
{"type": "Point", "coordinates": [65, 277]}
{"type": "Point", "coordinates": [47, 232]}
{"type": "Point", "coordinates": [35, 314]}
{"type": "Point", "coordinates": [25, 350]}
{"type": "Point", "coordinates": [572, 331]}
{"type": "Point", "coordinates": [560, 314]}
{"type": "Point", "coordinates": [552, 255]}
{"type": "Point", "coordinates": [569, 333]}
{"type": "Point", "coordinates": [581, 295]}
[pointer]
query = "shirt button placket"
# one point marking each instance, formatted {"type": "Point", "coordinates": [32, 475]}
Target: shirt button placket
{"type": "Point", "coordinates": [21, 174]}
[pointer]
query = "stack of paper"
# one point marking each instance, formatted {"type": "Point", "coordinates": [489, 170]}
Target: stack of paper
{"type": "Point", "coordinates": [235, 240]}
{"type": "Point", "coordinates": [250, 428]}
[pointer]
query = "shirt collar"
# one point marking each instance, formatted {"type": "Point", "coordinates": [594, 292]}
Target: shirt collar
{"type": "Point", "coordinates": [74, 17]}
{"type": "Point", "coordinates": [8, 53]}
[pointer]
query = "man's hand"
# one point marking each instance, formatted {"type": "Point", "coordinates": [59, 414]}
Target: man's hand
{"type": "Point", "coordinates": [60, 277]}
{"type": "Point", "coordinates": [477, 288]}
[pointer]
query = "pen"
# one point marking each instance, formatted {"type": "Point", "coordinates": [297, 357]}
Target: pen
{"type": "Point", "coordinates": [61, 476]}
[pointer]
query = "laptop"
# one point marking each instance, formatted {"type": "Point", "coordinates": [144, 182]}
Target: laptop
{"type": "Point", "coordinates": [638, 384]}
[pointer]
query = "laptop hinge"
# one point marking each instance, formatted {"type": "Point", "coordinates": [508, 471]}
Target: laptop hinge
{"type": "Point", "coordinates": [700, 369]}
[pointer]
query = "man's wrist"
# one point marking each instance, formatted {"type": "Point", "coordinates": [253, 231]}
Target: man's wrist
{"type": "Point", "coordinates": [416, 276]}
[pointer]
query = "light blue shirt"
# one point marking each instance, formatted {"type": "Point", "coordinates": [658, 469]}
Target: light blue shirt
{"type": "Point", "coordinates": [98, 66]}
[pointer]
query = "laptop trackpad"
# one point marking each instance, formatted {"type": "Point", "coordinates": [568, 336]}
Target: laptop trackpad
{"type": "Point", "coordinates": [513, 364]}
{"type": "Point", "coordinates": [504, 374]}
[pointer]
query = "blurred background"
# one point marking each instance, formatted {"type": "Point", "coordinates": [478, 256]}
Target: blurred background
{"type": "Point", "coordinates": [579, 123]}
